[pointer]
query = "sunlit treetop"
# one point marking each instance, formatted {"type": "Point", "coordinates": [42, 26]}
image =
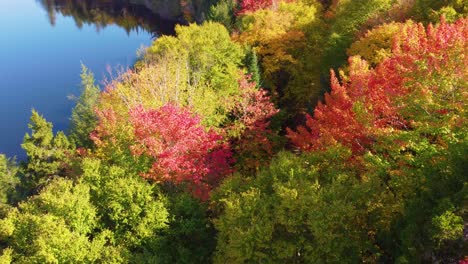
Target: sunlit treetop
{"type": "Point", "coordinates": [423, 80]}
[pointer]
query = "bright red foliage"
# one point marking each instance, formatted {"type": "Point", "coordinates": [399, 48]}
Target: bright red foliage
{"type": "Point", "coordinates": [335, 121]}
{"type": "Point", "coordinates": [182, 150]}
{"type": "Point", "coordinates": [253, 5]}
{"type": "Point", "coordinates": [253, 111]}
{"type": "Point", "coordinates": [373, 102]}
{"type": "Point", "coordinates": [247, 6]}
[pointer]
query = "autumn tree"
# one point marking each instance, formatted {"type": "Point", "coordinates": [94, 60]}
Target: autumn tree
{"type": "Point", "coordinates": [181, 149]}
{"type": "Point", "coordinates": [288, 43]}
{"type": "Point", "coordinates": [376, 44]}
{"type": "Point", "coordinates": [371, 101]}
{"type": "Point", "coordinates": [198, 68]}
{"type": "Point", "coordinates": [402, 122]}
{"type": "Point", "coordinates": [252, 139]}
{"type": "Point", "coordinates": [246, 6]}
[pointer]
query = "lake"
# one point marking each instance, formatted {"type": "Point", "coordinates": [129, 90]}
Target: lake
{"type": "Point", "coordinates": [44, 42]}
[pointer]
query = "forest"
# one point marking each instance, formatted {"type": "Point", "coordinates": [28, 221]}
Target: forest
{"type": "Point", "coordinates": [270, 131]}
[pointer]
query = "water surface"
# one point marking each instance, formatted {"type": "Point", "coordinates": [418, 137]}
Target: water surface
{"type": "Point", "coordinates": [44, 42]}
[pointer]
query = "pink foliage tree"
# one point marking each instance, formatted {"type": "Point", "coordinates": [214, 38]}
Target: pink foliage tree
{"type": "Point", "coordinates": [182, 150]}
{"type": "Point", "coordinates": [253, 111]}
{"type": "Point", "coordinates": [246, 6]}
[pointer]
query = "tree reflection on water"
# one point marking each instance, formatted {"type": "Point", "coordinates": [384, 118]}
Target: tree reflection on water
{"type": "Point", "coordinates": [154, 16]}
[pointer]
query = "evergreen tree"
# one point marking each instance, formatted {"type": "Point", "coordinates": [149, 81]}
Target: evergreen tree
{"type": "Point", "coordinates": [251, 61]}
{"type": "Point", "coordinates": [8, 181]}
{"type": "Point", "coordinates": [47, 155]}
{"type": "Point", "coordinates": [83, 119]}
{"type": "Point", "coordinates": [223, 13]}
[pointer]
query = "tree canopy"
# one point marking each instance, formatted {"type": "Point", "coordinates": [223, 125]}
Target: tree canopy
{"type": "Point", "coordinates": [248, 139]}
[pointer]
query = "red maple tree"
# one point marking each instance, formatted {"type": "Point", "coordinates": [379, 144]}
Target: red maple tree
{"type": "Point", "coordinates": [372, 102]}
{"type": "Point", "coordinates": [183, 151]}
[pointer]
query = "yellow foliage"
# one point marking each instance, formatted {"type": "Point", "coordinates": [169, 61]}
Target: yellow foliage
{"type": "Point", "coordinates": [288, 40]}
{"type": "Point", "coordinates": [376, 44]}
{"type": "Point", "coordinates": [198, 68]}
{"type": "Point", "coordinates": [274, 34]}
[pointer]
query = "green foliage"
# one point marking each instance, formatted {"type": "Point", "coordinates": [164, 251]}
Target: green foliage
{"type": "Point", "coordinates": [135, 212]}
{"type": "Point", "coordinates": [53, 227]}
{"type": "Point", "coordinates": [346, 19]}
{"type": "Point", "coordinates": [432, 10]}
{"type": "Point", "coordinates": [293, 211]}
{"type": "Point", "coordinates": [213, 59]}
{"type": "Point", "coordinates": [319, 208]}
{"type": "Point", "coordinates": [198, 68]}
{"type": "Point", "coordinates": [83, 119]}
{"type": "Point", "coordinates": [377, 43]}
{"type": "Point", "coordinates": [223, 13]}
{"type": "Point", "coordinates": [127, 205]}
{"type": "Point", "coordinates": [106, 216]}
{"type": "Point", "coordinates": [6, 256]}
{"type": "Point", "coordinates": [65, 200]}
{"type": "Point", "coordinates": [434, 193]}
{"type": "Point", "coordinates": [47, 154]}
{"type": "Point", "coordinates": [46, 239]}
{"type": "Point", "coordinates": [190, 236]}
{"type": "Point", "coordinates": [8, 182]}
{"type": "Point", "coordinates": [447, 226]}
{"type": "Point", "coordinates": [251, 61]}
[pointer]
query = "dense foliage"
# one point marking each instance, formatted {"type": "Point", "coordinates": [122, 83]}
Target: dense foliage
{"type": "Point", "coordinates": [249, 139]}
{"type": "Point", "coordinates": [182, 150]}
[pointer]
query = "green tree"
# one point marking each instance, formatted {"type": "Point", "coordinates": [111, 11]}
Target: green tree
{"type": "Point", "coordinates": [294, 211]}
{"type": "Point", "coordinates": [47, 154]}
{"type": "Point", "coordinates": [83, 119]}
{"type": "Point", "coordinates": [8, 181]}
{"type": "Point", "coordinates": [345, 20]}
{"type": "Point", "coordinates": [190, 235]}
{"type": "Point", "coordinates": [431, 10]}
{"type": "Point", "coordinates": [212, 57]}
{"type": "Point", "coordinates": [68, 201]}
{"type": "Point", "coordinates": [127, 205]}
{"type": "Point", "coordinates": [53, 227]}
{"type": "Point", "coordinates": [223, 13]}
{"type": "Point", "coordinates": [251, 61]}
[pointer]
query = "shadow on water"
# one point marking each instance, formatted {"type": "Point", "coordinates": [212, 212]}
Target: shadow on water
{"type": "Point", "coordinates": [158, 17]}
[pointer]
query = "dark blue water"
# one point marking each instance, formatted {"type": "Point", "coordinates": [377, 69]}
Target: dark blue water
{"type": "Point", "coordinates": [40, 62]}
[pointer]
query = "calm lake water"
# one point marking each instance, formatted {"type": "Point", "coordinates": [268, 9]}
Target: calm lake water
{"type": "Point", "coordinates": [44, 42]}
